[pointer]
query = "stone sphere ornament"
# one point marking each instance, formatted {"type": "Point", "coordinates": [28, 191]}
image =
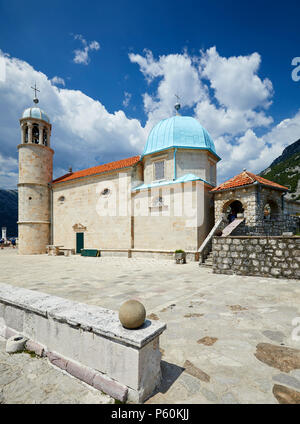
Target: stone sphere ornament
{"type": "Point", "coordinates": [132, 314]}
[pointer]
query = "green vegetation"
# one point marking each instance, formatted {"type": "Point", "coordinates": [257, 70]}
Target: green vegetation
{"type": "Point", "coordinates": [179, 251]}
{"type": "Point", "coordinates": [29, 352]}
{"type": "Point", "coordinates": [286, 173]}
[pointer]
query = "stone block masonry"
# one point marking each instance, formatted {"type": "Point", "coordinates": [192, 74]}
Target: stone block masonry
{"type": "Point", "coordinates": [277, 257]}
{"type": "Point", "coordinates": [86, 341]}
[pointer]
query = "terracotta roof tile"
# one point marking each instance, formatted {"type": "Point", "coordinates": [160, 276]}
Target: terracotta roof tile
{"type": "Point", "coordinates": [245, 178]}
{"type": "Point", "coordinates": [112, 166]}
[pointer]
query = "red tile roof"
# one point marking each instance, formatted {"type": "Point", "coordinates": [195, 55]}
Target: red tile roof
{"type": "Point", "coordinates": [112, 166]}
{"type": "Point", "coordinates": [245, 178]}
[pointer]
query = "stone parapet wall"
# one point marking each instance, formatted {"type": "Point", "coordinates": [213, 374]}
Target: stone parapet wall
{"type": "Point", "coordinates": [277, 257]}
{"type": "Point", "coordinates": [86, 340]}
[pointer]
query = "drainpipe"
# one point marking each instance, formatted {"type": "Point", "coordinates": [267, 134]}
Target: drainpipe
{"type": "Point", "coordinates": [175, 173]}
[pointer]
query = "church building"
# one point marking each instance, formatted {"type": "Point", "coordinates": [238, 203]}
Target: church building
{"type": "Point", "coordinates": [157, 202]}
{"type": "Point", "coordinates": [164, 200]}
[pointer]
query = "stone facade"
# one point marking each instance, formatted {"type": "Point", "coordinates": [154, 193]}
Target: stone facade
{"type": "Point", "coordinates": [277, 257]}
{"type": "Point", "coordinates": [138, 222]}
{"type": "Point", "coordinates": [80, 202]}
{"type": "Point", "coordinates": [35, 174]}
{"type": "Point", "coordinates": [253, 198]}
{"type": "Point", "coordinates": [181, 162]}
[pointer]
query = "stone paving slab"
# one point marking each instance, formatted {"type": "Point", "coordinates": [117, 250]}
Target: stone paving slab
{"type": "Point", "coordinates": [27, 380]}
{"type": "Point", "coordinates": [235, 312]}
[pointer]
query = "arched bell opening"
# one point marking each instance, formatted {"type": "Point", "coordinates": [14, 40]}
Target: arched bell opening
{"type": "Point", "coordinates": [35, 133]}
{"type": "Point", "coordinates": [26, 134]}
{"type": "Point", "coordinates": [45, 137]}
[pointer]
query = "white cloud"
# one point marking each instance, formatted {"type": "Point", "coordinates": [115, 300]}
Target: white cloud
{"type": "Point", "coordinates": [235, 81]}
{"type": "Point", "coordinates": [8, 172]}
{"type": "Point", "coordinates": [58, 81]}
{"type": "Point", "coordinates": [127, 97]}
{"type": "Point", "coordinates": [178, 76]}
{"type": "Point", "coordinates": [229, 99]}
{"type": "Point", "coordinates": [82, 55]}
{"type": "Point", "coordinates": [256, 153]}
{"type": "Point", "coordinates": [84, 133]}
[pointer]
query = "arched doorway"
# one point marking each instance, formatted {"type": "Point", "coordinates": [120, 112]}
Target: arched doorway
{"type": "Point", "coordinates": [271, 210]}
{"type": "Point", "coordinates": [232, 208]}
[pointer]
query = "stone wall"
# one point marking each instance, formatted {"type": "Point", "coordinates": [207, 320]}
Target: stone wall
{"type": "Point", "coordinates": [182, 222]}
{"type": "Point", "coordinates": [277, 257]}
{"type": "Point", "coordinates": [106, 220]}
{"type": "Point", "coordinates": [188, 161]}
{"type": "Point", "coordinates": [269, 227]}
{"type": "Point", "coordinates": [35, 173]}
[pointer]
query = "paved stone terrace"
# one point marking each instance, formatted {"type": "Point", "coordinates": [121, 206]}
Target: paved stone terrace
{"type": "Point", "coordinates": [26, 380]}
{"type": "Point", "coordinates": [214, 322]}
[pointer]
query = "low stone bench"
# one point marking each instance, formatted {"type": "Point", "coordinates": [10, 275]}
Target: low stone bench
{"type": "Point", "coordinates": [87, 341]}
{"type": "Point", "coordinates": [67, 251]}
{"type": "Point", "coordinates": [53, 250]}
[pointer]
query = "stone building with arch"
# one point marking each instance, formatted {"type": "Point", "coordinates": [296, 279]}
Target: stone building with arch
{"type": "Point", "coordinates": [258, 200]}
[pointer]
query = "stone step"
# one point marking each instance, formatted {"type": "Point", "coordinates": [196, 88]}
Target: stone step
{"type": "Point", "coordinates": [207, 265]}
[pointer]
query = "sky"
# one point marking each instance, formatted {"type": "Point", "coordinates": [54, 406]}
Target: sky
{"type": "Point", "coordinates": [109, 71]}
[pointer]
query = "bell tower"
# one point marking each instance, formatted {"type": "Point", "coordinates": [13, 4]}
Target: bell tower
{"type": "Point", "coordinates": [35, 177]}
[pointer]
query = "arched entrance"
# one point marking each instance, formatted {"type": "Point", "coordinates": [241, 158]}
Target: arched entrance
{"type": "Point", "coordinates": [232, 208]}
{"type": "Point", "coordinates": [271, 210]}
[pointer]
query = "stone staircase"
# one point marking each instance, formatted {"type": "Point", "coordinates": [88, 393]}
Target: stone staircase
{"type": "Point", "coordinates": [208, 262]}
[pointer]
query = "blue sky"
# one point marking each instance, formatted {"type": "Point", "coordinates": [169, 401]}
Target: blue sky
{"type": "Point", "coordinates": [108, 71]}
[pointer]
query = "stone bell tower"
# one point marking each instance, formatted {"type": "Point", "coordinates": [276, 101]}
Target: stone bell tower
{"type": "Point", "coordinates": [35, 177]}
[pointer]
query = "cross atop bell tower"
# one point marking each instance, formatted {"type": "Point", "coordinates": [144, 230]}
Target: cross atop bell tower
{"type": "Point", "coordinates": [35, 100]}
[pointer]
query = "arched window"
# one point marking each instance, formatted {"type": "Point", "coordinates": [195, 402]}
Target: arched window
{"type": "Point", "coordinates": [45, 136]}
{"type": "Point", "coordinates": [35, 133]}
{"type": "Point", "coordinates": [26, 134]}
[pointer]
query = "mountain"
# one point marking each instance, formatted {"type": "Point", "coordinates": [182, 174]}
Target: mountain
{"type": "Point", "coordinates": [9, 212]}
{"type": "Point", "coordinates": [285, 170]}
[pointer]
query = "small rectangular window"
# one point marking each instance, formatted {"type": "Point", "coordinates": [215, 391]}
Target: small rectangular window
{"type": "Point", "coordinates": [159, 170]}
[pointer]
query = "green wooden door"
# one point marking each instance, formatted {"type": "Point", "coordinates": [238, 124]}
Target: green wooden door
{"type": "Point", "coordinates": [79, 242]}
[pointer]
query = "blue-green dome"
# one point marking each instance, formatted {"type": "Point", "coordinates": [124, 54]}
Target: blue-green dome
{"type": "Point", "coordinates": [35, 112]}
{"type": "Point", "coordinates": [178, 131]}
